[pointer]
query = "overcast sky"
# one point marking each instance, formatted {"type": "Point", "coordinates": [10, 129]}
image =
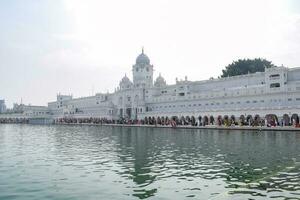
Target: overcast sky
{"type": "Point", "coordinates": [80, 47]}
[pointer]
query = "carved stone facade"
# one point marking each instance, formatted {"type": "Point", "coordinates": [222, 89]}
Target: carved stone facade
{"type": "Point", "coordinates": [275, 91]}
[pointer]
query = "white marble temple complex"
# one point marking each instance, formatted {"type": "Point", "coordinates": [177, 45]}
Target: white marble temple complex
{"type": "Point", "coordinates": [275, 91]}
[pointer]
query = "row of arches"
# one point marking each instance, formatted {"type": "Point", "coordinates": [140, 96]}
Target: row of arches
{"type": "Point", "coordinates": [14, 120]}
{"type": "Point", "coordinates": [242, 120]}
{"type": "Point", "coordinates": [226, 120]}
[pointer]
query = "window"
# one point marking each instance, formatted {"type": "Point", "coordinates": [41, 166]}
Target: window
{"type": "Point", "coordinates": [289, 99]}
{"type": "Point", "coordinates": [274, 85]}
{"type": "Point", "coordinates": [274, 76]}
{"type": "Point", "coordinates": [181, 94]}
{"type": "Point", "coordinates": [297, 99]}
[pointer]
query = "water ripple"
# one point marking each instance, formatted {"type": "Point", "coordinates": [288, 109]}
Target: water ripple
{"type": "Point", "coordinates": [92, 162]}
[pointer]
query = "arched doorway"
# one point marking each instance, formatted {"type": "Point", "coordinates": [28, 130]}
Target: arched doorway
{"type": "Point", "coordinates": [232, 119]}
{"type": "Point", "coordinates": [242, 120]}
{"type": "Point", "coordinates": [193, 121]}
{"type": "Point", "coordinates": [149, 120]}
{"type": "Point", "coordinates": [167, 121]}
{"type": "Point", "coordinates": [256, 121]}
{"type": "Point", "coordinates": [219, 120]}
{"type": "Point", "coordinates": [249, 120]}
{"type": "Point", "coordinates": [226, 120]}
{"type": "Point", "coordinates": [182, 120]}
{"type": "Point", "coordinates": [175, 119]}
{"type": "Point", "coordinates": [146, 120]}
{"type": "Point", "coordinates": [211, 120]}
{"type": "Point", "coordinates": [162, 120]}
{"type": "Point", "coordinates": [200, 120]}
{"type": "Point", "coordinates": [187, 120]}
{"type": "Point", "coordinates": [153, 120]}
{"type": "Point", "coordinates": [205, 120]}
{"type": "Point", "coordinates": [272, 120]}
{"type": "Point", "coordinates": [158, 120]}
{"type": "Point", "coordinates": [295, 119]}
{"type": "Point", "coordinates": [286, 120]}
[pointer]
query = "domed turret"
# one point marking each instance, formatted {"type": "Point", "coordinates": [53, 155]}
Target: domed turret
{"type": "Point", "coordinates": [160, 81]}
{"type": "Point", "coordinates": [142, 71]}
{"type": "Point", "coordinates": [125, 83]}
{"type": "Point", "coordinates": [142, 59]}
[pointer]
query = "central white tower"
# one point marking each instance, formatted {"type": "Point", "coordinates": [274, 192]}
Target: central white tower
{"type": "Point", "coordinates": [142, 71]}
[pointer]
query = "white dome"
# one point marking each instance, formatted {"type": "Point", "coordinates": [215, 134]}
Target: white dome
{"type": "Point", "coordinates": [125, 79]}
{"type": "Point", "coordinates": [125, 83]}
{"type": "Point", "coordinates": [143, 59]}
{"type": "Point", "coordinates": [160, 81]}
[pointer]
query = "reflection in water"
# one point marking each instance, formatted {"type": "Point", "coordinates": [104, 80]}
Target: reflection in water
{"type": "Point", "coordinates": [93, 162]}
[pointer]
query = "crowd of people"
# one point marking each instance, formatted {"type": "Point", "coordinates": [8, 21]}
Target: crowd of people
{"type": "Point", "coordinates": [14, 121]}
{"type": "Point", "coordinates": [186, 121]}
{"type": "Point", "coordinates": [269, 121]}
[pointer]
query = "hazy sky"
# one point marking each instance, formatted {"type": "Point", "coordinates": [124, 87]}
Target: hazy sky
{"type": "Point", "coordinates": [81, 46]}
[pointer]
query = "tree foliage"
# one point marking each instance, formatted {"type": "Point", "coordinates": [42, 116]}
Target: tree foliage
{"type": "Point", "coordinates": [245, 66]}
